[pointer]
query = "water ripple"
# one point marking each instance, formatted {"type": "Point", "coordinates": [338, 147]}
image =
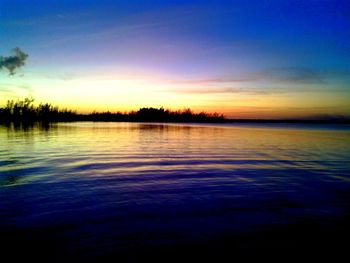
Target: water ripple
{"type": "Point", "coordinates": [108, 184]}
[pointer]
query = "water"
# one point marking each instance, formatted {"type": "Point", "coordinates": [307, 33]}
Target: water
{"type": "Point", "coordinates": [88, 190]}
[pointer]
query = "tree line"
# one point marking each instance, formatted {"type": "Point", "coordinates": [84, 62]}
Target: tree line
{"type": "Point", "coordinates": [24, 111]}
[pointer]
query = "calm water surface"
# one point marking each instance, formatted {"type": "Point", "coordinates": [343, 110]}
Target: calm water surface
{"type": "Point", "coordinates": [90, 189]}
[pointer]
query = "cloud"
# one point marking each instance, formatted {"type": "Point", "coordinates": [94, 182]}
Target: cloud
{"type": "Point", "coordinates": [287, 75]}
{"type": "Point", "coordinates": [220, 90]}
{"type": "Point", "coordinates": [216, 80]}
{"type": "Point", "coordinates": [293, 75]}
{"type": "Point", "coordinates": [13, 89]}
{"type": "Point", "coordinates": [279, 80]}
{"type": "Point", "coordinates": [12, 63]}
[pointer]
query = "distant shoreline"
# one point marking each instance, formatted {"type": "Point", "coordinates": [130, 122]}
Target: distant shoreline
{"type": "Point", "coordinates": [225, 121]}
{"type": "Point", "coordinates": [191, 119]}
{"type": "Point", "coordinates": [24, 111]}
{"type": "Point", "coordinates": [296, 121]}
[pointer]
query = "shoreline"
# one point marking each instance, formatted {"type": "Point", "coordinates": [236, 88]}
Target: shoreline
{"type": "Point", "coordinates": [225, 121]}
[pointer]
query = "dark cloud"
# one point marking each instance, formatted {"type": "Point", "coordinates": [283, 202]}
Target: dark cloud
{"type": "Point", "coordinates": [12, 63]}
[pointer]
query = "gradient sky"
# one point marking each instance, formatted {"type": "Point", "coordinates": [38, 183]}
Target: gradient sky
{"type": "Point", "coordinates": [250, 59]}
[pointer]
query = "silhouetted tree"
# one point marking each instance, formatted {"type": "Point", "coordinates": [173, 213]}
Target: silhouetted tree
{"type": "Point", "coordinates": [24, 111]}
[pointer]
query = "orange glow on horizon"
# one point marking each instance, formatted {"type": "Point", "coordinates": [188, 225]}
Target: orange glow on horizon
{"type": "Point", "coordinates": [117, 92]}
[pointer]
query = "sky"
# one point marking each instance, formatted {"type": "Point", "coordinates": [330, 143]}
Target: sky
{"type": "Point", "coordinates": [245, 59]}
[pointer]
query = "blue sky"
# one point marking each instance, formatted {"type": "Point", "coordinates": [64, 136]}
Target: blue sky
{"type": "Point", "coordinates": [243, 58]}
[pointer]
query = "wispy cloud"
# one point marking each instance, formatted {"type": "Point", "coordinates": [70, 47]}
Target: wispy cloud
{"type": "Point", "coordinates": [283, 80]}
{"type": "Point", "coordinates": [288, 75]}
{"type": "Point", "coordinates": [14, 88]}
{"type": "Point", "coordinates": [122, 27]}
{"type": "Point", "coordinates": [293, 75]}
{"type": "Point", "coordinates": [220, 90]}
{"type": "Point", "coordinates": [216, 80]}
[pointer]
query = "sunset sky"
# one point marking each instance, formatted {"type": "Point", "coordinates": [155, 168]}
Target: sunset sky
{"type": "Point", "coordinates": [245, 59]}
